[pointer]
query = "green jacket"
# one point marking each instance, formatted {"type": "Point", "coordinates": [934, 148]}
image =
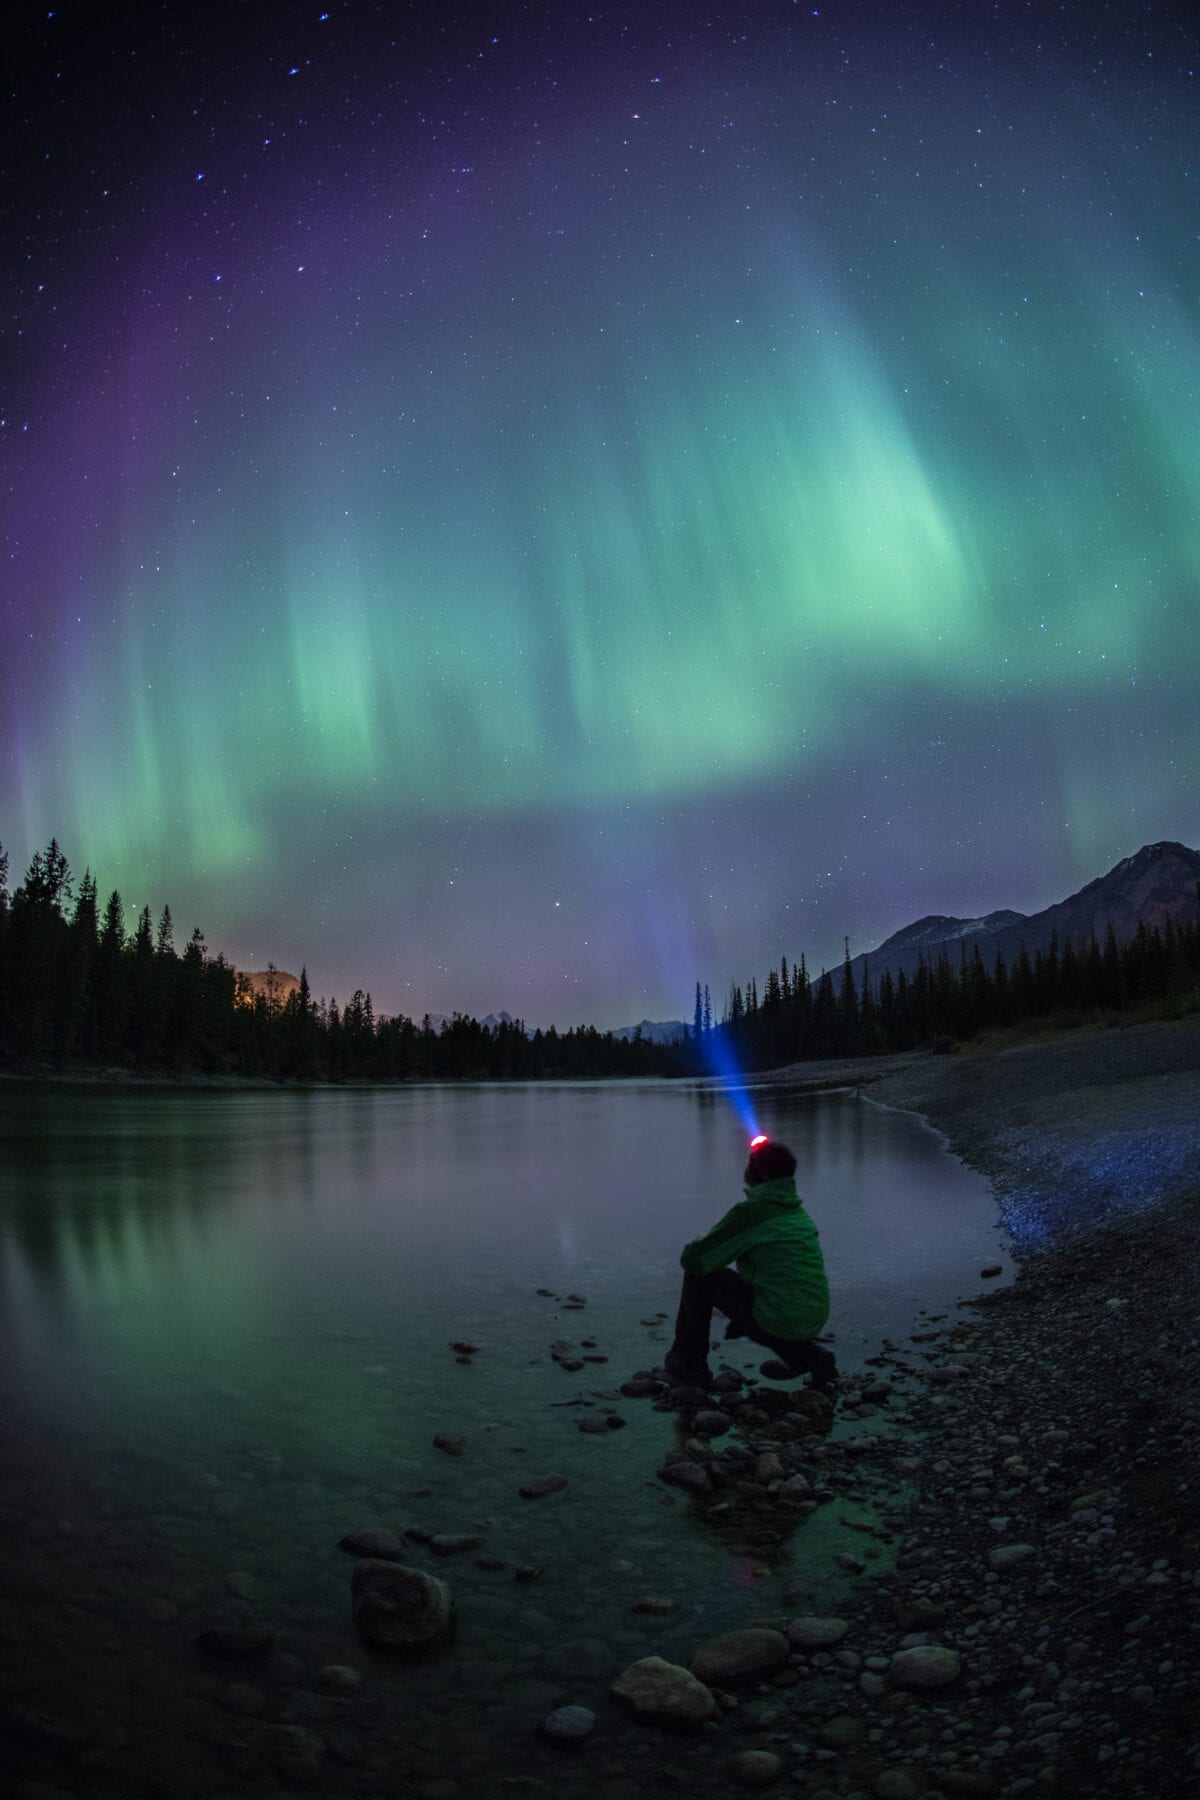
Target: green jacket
{"type": "Point", "coordinates": [775, 1245]}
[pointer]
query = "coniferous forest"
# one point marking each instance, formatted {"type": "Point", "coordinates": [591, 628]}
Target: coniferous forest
{"type": "Point", "coordinates": [84, 987]}
{"type": "Point", "coordinates": [947, 1000]}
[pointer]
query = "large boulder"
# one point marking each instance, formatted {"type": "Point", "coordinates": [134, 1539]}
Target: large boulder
{"type": "Point", "coordinates": [662, 1693]}
{"type": "Point", "coordinates": [398, 1608]}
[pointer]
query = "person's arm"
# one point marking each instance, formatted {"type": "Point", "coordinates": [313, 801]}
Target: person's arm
{"type": "Point", "coordinates": [726, 1241]}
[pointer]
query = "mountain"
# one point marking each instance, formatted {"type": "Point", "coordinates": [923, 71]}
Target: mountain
{"type": "Point", "coordinates": [655, 1031]}
{"type": "Point", "coordinates": [1156, 884]}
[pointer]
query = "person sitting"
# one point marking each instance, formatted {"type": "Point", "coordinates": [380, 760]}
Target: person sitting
{"type": "Point", "coordinates": [778, 1296]}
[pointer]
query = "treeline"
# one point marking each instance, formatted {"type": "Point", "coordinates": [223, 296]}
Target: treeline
{"type": "Point", "coordinates": [797, 1019]}
{"type": "Point", "coordinates": [81, 986]}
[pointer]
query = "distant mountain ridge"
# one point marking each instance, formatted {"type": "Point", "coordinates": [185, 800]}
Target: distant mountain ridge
{"type": "Point", "coordinates": [654, 1031]}
{"type": "Point", "coordinates": [1157, 883]}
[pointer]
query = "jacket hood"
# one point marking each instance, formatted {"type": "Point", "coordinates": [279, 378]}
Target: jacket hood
{"type": "Point", "coordinates": [780, 1192]}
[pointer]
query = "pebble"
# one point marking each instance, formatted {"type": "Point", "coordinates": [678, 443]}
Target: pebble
{"type": "Point", "coordinates": [813, 1633]}
{"type": "Point", "coordinates": [370, 1542]}
{"type": "Point", "coordinates": [690, 1476]}
{"type": "Point", "coordinates": [754, 1768]}
{"type": "Point", "coordinates": [661, 1693]}
{"type": "Point", "coordinates": [398, 1608]}
{"type": "Point", "coordinates": [236, 1643]}
{"type": "Point", "coordinates": [737, 1654]}
{"type": "Point", "coordinates": [1007, 1556]}
{"type": "Point", "coordinates": [453, 1443]}
{"type": "Point", "coordinates": [542, 1485]}
{"type": "Point", "coordinates": [568, 1725]}
{"type": "Point", "coordinates": [925, 1666]}
{"type": "Point", "coordinates": [449, 1543]}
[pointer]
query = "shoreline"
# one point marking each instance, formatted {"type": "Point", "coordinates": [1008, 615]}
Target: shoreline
{"type": "Point", "coordinates": [1036, 1456]}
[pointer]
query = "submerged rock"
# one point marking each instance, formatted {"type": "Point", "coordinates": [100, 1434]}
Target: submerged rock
{"type": "Point", "coordinates": [453, 1443]}
{"type": "Point", "coordinates": [812, 1633]}
{"type": "Point", "coordinates": [370, 1542]}
{"type": "Point", "coordinates": [540, 1485]}
{"type": "Point", "coordinates": [398, 1608]}
{"type": "Point", "coordinates": [661, 1693]}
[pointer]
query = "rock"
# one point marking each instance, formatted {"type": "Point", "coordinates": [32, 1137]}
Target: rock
{"type": "Point", "coordinates": [767, 1468]}
{"type": "Point", "coordinates": [594, 1425]}
{"type": "Point", "coordinates": [1007, 1556]}
{"type": "Point", "coordinates": [236, 1643]}
{"type": "Point", "coordinates": [690, 1476]}
{"type": "Point", "coordinates": [992, 1269]}
{"type": "Point", "coordinates": [465, 1349]}
{"type": "Point", "coordinates": [661, 1693]}
{"type": "Point", "coordinates": [382, 1544]}
{"type": "Point", "coordinates": [842, 1732]}
{"type": "Point", "coordinates": [736, 1654]}
{"type": "Point", "coordinates": [291, 1750]}
{"type": "Point", "coordinates": [398, 1608]}
{"type": "Point", "coordinates": [572, 1364]}
{"type": "Point", "coordinates": [795, 1488]}
{"type": "Point", "coordinates": [925, 1666]}
{"type": "Point", "coordinates": [614, 1422]}
{"type": "Point", "coordinates": [894, 1784]}
{"type": "Point", "coordinates": [527, 1572]}
{"type": "Point", "coordinates": [754, 1768]}
{"type": "Point", "coordinates": [710, 1423]}
{"type": "Point", "coordinates": [813, 1633]}
{"type": "Point", "coordinates": [339, 1678]}
{"type": "Point", "coordinates": [568, 1725]}
{"type": "Point", "coordinates": [641, 1387]}
{"type": "Point", "coordinates": [452, 1543]}
{"type": "Point", "coordinates": [452, 1442]}
{"type": "Point", "coordinates": [540, 1485]}
{"type": "Point", "coordinates": [658, 1605]}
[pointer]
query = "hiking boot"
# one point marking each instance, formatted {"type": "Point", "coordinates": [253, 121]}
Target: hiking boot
{"type": "Point", "coordinates": [684, 1373]}
{"type": "Point", "coordinates": [814, 1360]}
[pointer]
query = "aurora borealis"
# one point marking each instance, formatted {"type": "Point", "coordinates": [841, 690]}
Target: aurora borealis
{"type": "Point", "coordinates": [530, 507]}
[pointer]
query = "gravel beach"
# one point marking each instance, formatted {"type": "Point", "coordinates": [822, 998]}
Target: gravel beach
{"type": "Point", "coordinates": [1036, 1456]}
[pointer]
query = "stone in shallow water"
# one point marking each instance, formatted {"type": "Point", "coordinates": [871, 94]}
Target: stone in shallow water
{"type": "Point", "coordinates": [236, 1643]}
{"type": "Point", "coordinates": [370, 1542]}
{"type": "Point", "coordinates": [452, 1442]}
{"type": "Point", "coordinates": [451, 1543]}
{"type": "Point", "coordinates": [661, 1693]}
{"type": "Point", "coordinates": [687, 1475]}
{"type": "Point", "coordinates": [737, 1654]}
{"type": "Point", "coordinates": [568, 1725]}
{"type": "Point", "coordinates": [398, 1608]}
{"type": "Point", "coordinates": [925, 1666]}
{"type": "Point", "coordinates": [540, 1485]}
{"type": "Point", "coordinates": [289, 1749]}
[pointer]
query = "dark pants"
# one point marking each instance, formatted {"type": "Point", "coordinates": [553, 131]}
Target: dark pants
{"type": "Point", "coordinates": [728, 1293]}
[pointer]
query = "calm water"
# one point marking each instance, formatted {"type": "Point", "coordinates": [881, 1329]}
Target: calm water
{"type": "Point", "coordinates": [224, 1344]}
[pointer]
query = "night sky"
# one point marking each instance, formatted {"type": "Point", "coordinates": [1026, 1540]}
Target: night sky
{"type": "Point", "coordinates": [531, 507]}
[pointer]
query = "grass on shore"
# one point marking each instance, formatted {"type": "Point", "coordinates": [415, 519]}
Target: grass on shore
{"type": "Point", "coordinates": [1070, 1019]}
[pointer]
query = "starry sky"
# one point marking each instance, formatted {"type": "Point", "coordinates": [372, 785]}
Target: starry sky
{"type": "Point", "coordinates": [531, 506]}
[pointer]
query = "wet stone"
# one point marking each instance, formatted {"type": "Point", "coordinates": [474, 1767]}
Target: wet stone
{"type": "Point", "coordinates": [291, 1750]}
{"type": "Point", "coordinates": [690, 1476]}
{"type": "Point", "coordinates": [1007, 1556]}
{"type": "Point", "coordinates": [709, 1423]}
{"type": "Point", "coordinates": [593, 1425]}
{"type": "Point", "coordinates": [810, 1632]}
{"type": "Point", "coordinates": [397, 1608]}
{"type": "Point", "coordinates": [662, 1693]}
{"type": "Point", "coordinates": [236, 1643]}
{"type": "Point", "coordinates": [754, 1768]}
{"type": "Point", "coordinates": [450, 1543]}
{"type": "Point", "coordinates": [370, 1542]}
{"type": "Point", "coordinates": [541, 1485]}
{"type": "Point", "coordinates": [842, 1731]}
{"type": "Point", "coordinates": [657, 1605]}
{"type": "Point", "coordinates": [925, 1666]}
{"type": "Point", "coordinates": [735, 1655]}
{"type": "Point", "coordinates": [453, 1443]}
{"type": "Point", "coordinates": [568, 1725]}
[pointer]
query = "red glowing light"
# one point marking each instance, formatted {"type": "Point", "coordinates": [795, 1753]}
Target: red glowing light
{"type": "Point", "coordinates": [756, 1143]}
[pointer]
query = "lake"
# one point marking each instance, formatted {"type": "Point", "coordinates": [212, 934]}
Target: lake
{"type": "Point", "coordinates": [225, 1343]}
